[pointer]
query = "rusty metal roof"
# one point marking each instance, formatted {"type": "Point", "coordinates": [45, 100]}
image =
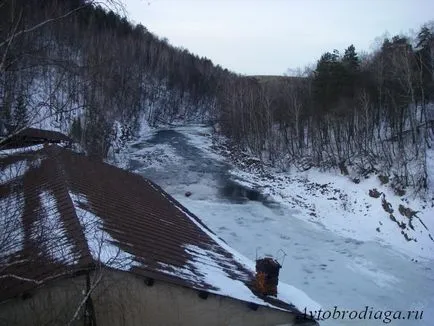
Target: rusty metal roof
{"type": "Point", "coordinates": [62, 213]}
{"type": "Point", "coordinates": [32, 136]}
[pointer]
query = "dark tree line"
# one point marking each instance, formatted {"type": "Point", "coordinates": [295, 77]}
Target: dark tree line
{"type": "Point", "coordinates": [93, 67]}
{"type": "Point", "coordinates": [363, 115]}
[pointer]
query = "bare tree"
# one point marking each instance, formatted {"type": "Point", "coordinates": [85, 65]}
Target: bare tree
{"type": "Point", "coordinates": [17, 32]}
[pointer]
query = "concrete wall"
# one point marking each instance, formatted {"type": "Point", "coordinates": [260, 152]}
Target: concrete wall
{"type": "Point", "coordinates": [124, 299]}
{"type": "Point", "coordinates": [53, 304]}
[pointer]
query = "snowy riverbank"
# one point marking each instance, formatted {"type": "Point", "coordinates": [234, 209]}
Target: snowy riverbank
{"type": "Point", "coordinates": [328, 262]}
{"type": "Point", "coordinates": [336, 203]}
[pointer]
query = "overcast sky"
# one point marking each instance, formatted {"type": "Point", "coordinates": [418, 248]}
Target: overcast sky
{"type": "Point", "coordinates": [266, 37]}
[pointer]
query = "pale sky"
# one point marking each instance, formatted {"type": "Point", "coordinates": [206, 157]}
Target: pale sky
{"type": "Point", "coordinates": [266, 37]}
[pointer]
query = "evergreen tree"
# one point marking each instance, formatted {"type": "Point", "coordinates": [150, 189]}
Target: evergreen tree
{"type": "Point", "coordinates": [5, 118]}
{"type": "Point", "coordinates": [76, 131]}
{"type": "Point", "coordinates": [424, 38]}
{"type": "Point", "coordinates": [351, 64]}
{"type": "Point", "coordinates": [20, 117]}
{"type": "Point", "coordinates": [328, 80]}
{"type": "Point", "coordinates": [351, 59]}
{"type": "Point", "coordinates": [425, 60]}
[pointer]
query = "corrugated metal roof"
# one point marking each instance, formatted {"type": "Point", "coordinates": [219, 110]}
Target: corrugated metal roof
{"type": "Point", "coordinates": [62, 212]}
{"type": "Point", "coordinates": [32, 136]}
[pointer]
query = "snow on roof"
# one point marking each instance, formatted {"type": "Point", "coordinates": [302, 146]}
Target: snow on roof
{"type": "Point", "coordinates": [19, 150]}
{"type": "Point", "coordinates": [12, 171]}
{"type": "Point", "coordinates": [50, 232]}
{"type": "Point", "coordinates": [204, 262]}
{"type": "Point", "coordinates": [101, 245]}
{"type": "Point", "coordinates": [89, 212]}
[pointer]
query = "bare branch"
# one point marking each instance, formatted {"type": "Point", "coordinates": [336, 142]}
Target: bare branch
{"type": "Point", "coordinates": [85, 298]}
{"type": "Point", "coordinates": [31, 280]}
{"type": "Point", "coordinates": [20, 278]}
{"type": "Point", "coordinates": [45, 22]}
{"type": "Point", "coordinates": [9, 42]}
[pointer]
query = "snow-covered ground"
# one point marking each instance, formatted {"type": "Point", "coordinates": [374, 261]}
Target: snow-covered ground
{"type": "Point", "coordinates": [338, 204]}
{"type": "Point", "coordinates": [342, 248]}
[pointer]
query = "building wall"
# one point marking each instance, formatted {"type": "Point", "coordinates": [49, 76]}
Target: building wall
{"type": "Point", "coordinates": [53, 304]}
{"type": "Point", "coordinates": [125, 299]}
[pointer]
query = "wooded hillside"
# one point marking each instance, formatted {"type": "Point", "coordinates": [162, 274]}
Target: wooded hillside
{"type": "Point", "coordinates": [87, 70]}
{"type": "Point", "coordinates": [89, 67]}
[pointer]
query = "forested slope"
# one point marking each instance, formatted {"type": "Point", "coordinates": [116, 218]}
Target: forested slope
{"type": "Point", "coordinates": [362, 115]}
{"type": "Point", "coordinates": [84, 71]}
{"type": "Point", "coordinates": [91, 73]}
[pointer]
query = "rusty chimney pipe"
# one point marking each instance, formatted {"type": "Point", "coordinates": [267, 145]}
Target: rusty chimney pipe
{"type": "Point", "coordinates": [267, 276]}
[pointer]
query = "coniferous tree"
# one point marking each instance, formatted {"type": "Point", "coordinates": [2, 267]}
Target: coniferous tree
{"type": "Point", "coordinates": [425, 57]}
{"type": "Point", "coordinates": [20, 116]}
{"type": "Point", "coordinates": [351, 64]}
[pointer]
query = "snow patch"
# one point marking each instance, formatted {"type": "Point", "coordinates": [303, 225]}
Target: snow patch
{"type": "Point", "coordinates": [145, 131]}
{"type": "Point", "coordinates": [430, 168]}
{"type": "Point", "coordinates": [17, 169]}
{"type": "Point", "coordinates": [204, 262]}
{"type": "Point", "coordinates": [298, 298]}
{"type": "Point", "coordinates": [101, 244]}
{"type": "Point", "coordinates": [21, 150]}
{"type": "Point", "coordinates": [155, 157]}
{"type": "Point", "coordinates": [181, 272]}
{"type": "Point", "coordinates": [13, 171]}
{"type": "Point", "coordinates": [49, 233]}
{"type": "Point", "coordinates": [200, 137]}
{"type": "Point", "coordinates": [365, 267]}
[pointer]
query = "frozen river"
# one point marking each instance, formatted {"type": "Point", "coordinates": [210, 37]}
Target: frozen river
{"type": "Point", "coordinates": [332, 270]}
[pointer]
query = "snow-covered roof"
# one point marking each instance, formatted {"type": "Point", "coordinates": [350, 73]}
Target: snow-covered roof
{"type": "Point", "coordinates": [65, 212]}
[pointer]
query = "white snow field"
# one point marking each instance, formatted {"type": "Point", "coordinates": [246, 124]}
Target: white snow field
{"type": "Point", "coordinates": [342, 249]}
